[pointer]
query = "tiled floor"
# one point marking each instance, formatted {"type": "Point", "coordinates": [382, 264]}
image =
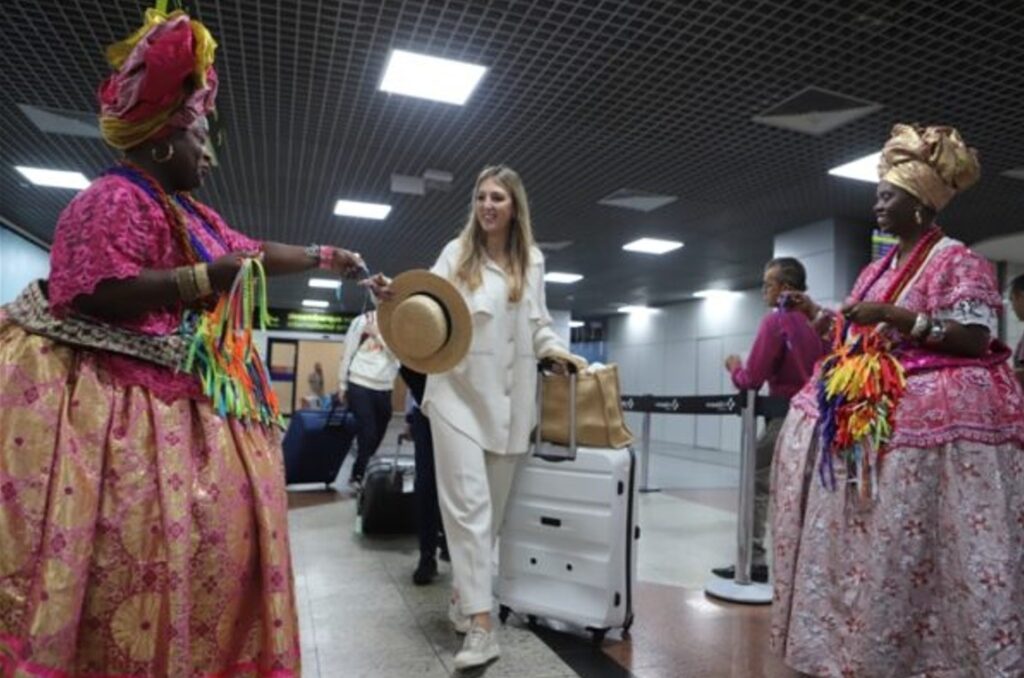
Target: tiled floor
{"type": "Point", "coordinates": [360, 614]}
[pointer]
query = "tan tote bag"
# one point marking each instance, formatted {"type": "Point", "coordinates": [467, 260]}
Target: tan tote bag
{"type": "Point", "coordinates": [599, 420]}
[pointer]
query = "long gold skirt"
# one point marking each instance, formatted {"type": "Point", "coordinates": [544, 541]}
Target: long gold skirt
{"type": "Point", "coordinates": [137, 537]}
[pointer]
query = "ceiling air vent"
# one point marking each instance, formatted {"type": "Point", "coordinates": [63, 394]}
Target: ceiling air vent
{"type": "Point", "coordinates": [641, 201]}
{"type": "Point", "coordinates": [431, 180]}
{"type": "Point", "coordinates": [816, 111]}
{"type": "Point", "coordinates": [56, 121]}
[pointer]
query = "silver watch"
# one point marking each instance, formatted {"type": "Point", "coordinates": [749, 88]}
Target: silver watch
{"type": "Point", "coordinates": [922, 324]}
{"type": "Point", "coordinates": [313, 252]}
{"type": "Point", "coordinates": [936, 333]}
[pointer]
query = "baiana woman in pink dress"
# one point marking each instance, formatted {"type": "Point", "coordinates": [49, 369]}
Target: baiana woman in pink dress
{"type": "Point", "coordinates": [901, 553]}
{"type": "Point", "coordinates": [143, 528]}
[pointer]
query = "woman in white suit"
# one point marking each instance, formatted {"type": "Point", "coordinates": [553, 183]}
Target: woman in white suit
{"type": "Point", "coordinates": [482, 411]}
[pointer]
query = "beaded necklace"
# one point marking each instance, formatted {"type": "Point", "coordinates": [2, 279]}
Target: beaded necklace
{"type": "Point", "coordinates": [175, 212]}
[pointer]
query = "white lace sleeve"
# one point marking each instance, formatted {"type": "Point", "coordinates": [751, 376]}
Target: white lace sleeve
{"type": "Point", "coordinates": [970, 312]}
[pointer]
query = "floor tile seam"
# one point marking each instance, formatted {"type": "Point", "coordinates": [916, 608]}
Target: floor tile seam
{"type": "Point", "coordinates": [416, 618]}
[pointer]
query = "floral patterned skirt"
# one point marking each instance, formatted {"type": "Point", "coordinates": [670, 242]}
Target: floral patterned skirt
{"type": "Point", "coordinates": [927, 580]}
{"type": "Point", "coordinates": [137, 537]}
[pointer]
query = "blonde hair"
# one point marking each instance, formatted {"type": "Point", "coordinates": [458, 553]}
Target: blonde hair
{"type": "Point", "coordinates": [473, 242]}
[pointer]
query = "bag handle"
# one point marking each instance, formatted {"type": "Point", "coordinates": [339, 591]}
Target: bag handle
{"type": "Point", "coordinates": [543, 366]}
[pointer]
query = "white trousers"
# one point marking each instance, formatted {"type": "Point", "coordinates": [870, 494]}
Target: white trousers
{"type": "Point", "coordinates": [472, 489]}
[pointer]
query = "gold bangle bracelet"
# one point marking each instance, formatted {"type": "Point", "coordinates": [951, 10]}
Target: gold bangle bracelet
{"type": "Point", "coordinates": [187, 289]}
{"type": "Point", "coordinates": [202, 277]}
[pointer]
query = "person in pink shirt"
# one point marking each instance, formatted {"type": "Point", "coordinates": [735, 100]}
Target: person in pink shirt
{"type": "Point", "coordinates": [783, 355]}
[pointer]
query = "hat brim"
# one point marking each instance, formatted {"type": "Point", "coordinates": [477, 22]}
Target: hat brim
{"type": "Point", "coordinates": [460, 328]}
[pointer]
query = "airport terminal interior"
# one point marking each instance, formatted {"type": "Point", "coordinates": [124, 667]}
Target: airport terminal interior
{"type": "Point", "coordinates": [718, 191]}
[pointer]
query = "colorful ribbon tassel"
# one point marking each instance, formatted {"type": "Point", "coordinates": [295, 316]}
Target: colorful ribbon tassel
{"type": "Point", "coordinates": [860, 387]}
{"type": "Point", "coordinates": [222, 353]}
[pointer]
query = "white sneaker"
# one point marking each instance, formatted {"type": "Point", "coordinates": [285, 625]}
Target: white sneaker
{"type": "Point", "coordinates": [461, 622]}
{"type": "Point", "coordinates": [479, 648]}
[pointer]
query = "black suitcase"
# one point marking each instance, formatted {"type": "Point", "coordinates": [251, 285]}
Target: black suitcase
{"type": "Point", "coordinates": [316, 443]}
{"type": "Point", "coordinates": [387, 503]}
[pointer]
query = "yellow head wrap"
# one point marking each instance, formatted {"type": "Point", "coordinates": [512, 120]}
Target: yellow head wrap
{"type": "Point", "coordinates": [931, 163]}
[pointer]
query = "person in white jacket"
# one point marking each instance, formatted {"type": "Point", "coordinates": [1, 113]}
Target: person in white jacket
{"type": "Point", "coordinates": [366, 378]}
{"type": "Point", "coordinates": [482, 411]}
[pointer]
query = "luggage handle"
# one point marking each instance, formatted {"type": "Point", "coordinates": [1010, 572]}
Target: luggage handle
{"type": "Point", "coordinates": [336, 415]}
{"type": "Point", "coordinates": [545, 365]}
{"type": "Point", "coordinates": [395, 474]}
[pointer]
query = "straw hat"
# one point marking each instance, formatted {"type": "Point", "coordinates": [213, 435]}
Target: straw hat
{"type": "Point", "coordinates": [426, 323]}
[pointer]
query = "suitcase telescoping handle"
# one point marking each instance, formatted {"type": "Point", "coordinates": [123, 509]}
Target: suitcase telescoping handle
{"type": "Point", "coordinates": [543, 366]}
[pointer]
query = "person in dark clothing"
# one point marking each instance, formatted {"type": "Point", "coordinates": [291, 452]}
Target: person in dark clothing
{"type": "Point", "coordinates": [428, 512]}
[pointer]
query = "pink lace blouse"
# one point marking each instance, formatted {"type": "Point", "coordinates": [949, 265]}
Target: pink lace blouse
{"type": "Point", "coordinates": [113, 230]}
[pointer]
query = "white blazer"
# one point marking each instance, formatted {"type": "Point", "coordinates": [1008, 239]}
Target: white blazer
{"type": "Point", "coordinates": [490, 395]}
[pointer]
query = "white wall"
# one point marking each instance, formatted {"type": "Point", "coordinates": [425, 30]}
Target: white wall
{"type": "Point", "coordinates": [21, 262]}
{"type": "Point", "coordinates": [681, 350]}
{"type": "Point", "coordinates": [833, 252]}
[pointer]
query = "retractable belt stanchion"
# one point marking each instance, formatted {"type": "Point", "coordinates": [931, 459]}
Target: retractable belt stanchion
{"type": "Point", "coordinates": [741, 589]}
{"type": "Point", "coordinates": [749, 406]}
{"type": "Point", "coordinates": [645, 451]}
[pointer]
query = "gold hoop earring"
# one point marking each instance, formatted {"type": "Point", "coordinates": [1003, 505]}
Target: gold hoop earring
{"type": "Point", "coordinates": [165, 157]}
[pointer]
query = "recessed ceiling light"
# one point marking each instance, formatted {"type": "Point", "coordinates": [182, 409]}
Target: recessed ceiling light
{"type": "Point", "coordinates": [861, 169]}
{"type": "Point", "coordinates": [362, 210]}
{"type": "Point", "coordinates": [565, 278]}
{"type": "Point", "coordinates": [576, 323]}
{"type": "Point", "coordinates": [652, 246]}
{"type": "Point", "coordinates": [428, 77]}
{"type": "Point", "coordinates": [716, 294]}
{"type": "Point", "coordinates": [637, 310]}
{"type": "Point", "coordinates": [325, 283]}
{"type": "Point", "coordinates": [315, 303]}
{"type": "Point", "coordinates": [55, 178]}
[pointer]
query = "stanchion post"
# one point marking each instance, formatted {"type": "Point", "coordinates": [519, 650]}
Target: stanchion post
{"type": "Point", "coordinates": [745, 509]}
{"type": "Point", "coordinates": [645, 452]}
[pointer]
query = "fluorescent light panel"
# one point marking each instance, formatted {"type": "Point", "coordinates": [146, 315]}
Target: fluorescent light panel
{"type": "Point", "coordinates": [576, 323]}
{"type": "Point", "coordinates": [324, 283]}
{"type": "Point", "coordinates": [564, 278]}
{"type": "Point", "coordinates": [861, 169]}
{"type": "Point", "coordinates": [652, 246]}
{"type": "Point", "coordinates": [315, 303]}
{"type": "Point", "coordinates": [54, 178]}
{"type": "Point", "coordinates": [716, 294]}
{"type": "Point", "coordinates": [428, 77]}
{"type": "Point", "coordinates": [361, 210]}
{"type": "Point", "coordinates": [637, 310]}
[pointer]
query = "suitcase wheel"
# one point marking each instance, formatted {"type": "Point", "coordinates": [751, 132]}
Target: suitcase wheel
{"type": "Point", "coordinates": [503, 613]}
{"type": "Point", "coordinates": [597, 636]}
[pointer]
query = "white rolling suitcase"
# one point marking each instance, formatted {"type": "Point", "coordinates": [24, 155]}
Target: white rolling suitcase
{"type": "Point", "coordinates": [568, 543]}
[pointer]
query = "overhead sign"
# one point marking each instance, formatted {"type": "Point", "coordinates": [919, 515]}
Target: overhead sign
{"type": "Point", "coordinates": [309, 321]}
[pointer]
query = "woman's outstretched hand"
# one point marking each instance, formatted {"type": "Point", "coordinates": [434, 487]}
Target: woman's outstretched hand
{"type": "Point", "coordinates": [346, 263]}
{"type": "Point", "coordinates": [379, 285]}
